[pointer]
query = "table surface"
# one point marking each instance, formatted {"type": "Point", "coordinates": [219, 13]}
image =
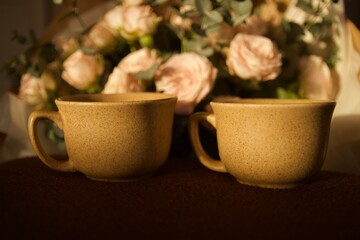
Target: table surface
{"type": "Point", "coordinates": [183, 200]}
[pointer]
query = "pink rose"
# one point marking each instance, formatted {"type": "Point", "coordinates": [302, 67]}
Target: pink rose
{"type": "Point", "coordinates": [140, 60]}
{"type": "Point", "coordinates": [121, 82]}
{"type": "Point", "coordinates": [132, 22]}
{"type": "Point", "coordinates": [34, 91]}
{"type": "Point", "coordinates": [101, 38]}
{"type": "Point", "coordinates": [222, 36]}
{"type": "Point", "coordinates": [188, 76]}
{"type": "Point", "coordinates": [114, 18]}
{"type": "Point", "coordinates": [133, 2]}
{"type": "Point", "coordinates": [180, 21]}
{"type": "Point", "coordinates": [253, 25]}
{"type": "Point", "coordinates": [66, 46]}
{"type": "Point", "coordinates": [123, 78]}
{"type": "Point", "coordinates": [82, 70]}
{"type": "Point", "coordinates": [315, 79]}
{"type": "Point", "coordinates": [253, 57]}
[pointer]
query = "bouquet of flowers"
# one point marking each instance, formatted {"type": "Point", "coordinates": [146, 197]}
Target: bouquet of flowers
{"type": "Point", "coordinates": [198, 50]}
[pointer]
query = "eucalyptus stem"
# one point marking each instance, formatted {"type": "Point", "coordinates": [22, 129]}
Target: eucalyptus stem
{"type": "Point", "coordinates": [75, 11]}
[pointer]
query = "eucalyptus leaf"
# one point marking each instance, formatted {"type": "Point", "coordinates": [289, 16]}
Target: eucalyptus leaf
{"type": "Point", "coordinates": [198, 30]}
{"type": "Point", "coordinates": [148, 74]}
{"type": "Point", "coordinates": [54, 133]}
{"type": "Point", "coordinates": [86, 29]}
{"type": "Point", "coordinates": [213, 28]}
{"type": "Point", "coordinates": [209, 23]}
{"type": "Point", "coordinates": [48, 52]}
{"type": "Point", "coordinates": [58, 2]}
{"type": "Point", "coordinates": [67, 16]}
{"type": "Point", "coordinates": [34, 70]}
{"type": "Point", "coordinates": [239, 19]}
{"type": "Point", "coordinates": [225, 3]}
{"type": "Point", "coordinates": [158, 2]}
{"type": "Point", "coordinates": [21, 39]}
{"type": "Point", "coordinates": [214, 16]}
{"type": "Point", "coordinates": [196, 45]}
{"type": "Point", "coordinates": [34, 39]}
{"type": "Point", "coordinates": [242, 8]}
{"type": "Point", "coordinates": [203, 6]}
{"type": "Point", "coordinates": [23, 59]}
{"type": "Point", "coordinates": [286, 94]}
{"type": "Point", "coordinates": [89, 51]}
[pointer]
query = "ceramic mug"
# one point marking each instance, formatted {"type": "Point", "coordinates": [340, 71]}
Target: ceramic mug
{"type": "Point", "coordinates": [274, 143]}
{"type": "Point", "coordinates": [112, 137]}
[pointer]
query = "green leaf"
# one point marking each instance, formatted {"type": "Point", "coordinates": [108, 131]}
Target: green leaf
{"type": "Point", "coordinates": [213, 28]}
{"type": "Point", "coordinates": [21, 39]}
{"type": "Point", "coordinates": [239, 19]}
{"type": "Point", "coordinates": [225, 3]}
{"type": "Point", "coordinates": [214, 16]}
{"type": "Point", "coordinates": [48, 52]}
{"type": "Point", "coordinates": [155, 3]}
{"type": "Point", "coordinates": [198, 30]}
{"type": "Point", "coordinates": [294, 31]}
{"type": "Point", "coordinates": [67, 16]}
{"type": "Point", "coordinates": [148, 74]}
{"type": "Point", "coordinates": [283, 93]}
{"type": "Point", "coordinates": [34, 70]}
{"type": "Point", "coordinates": [34, 40]}
{"type": "Point", "coordinates": [86, 29]}
{"type": "Point", "coordinates": [242, 8]}
{"type": "Point", "coordinates": [203, 6]}
{"type": "Point", "coordinates": [89, 51]}
{"type": "Point", "coordinates": [23, 59]}
{"type": "Point", "coordinates": [211, 21]}
{"type": "Point", "coordinates": [197, 46]}
{"type": "Point", "coordinates": [58, 2]}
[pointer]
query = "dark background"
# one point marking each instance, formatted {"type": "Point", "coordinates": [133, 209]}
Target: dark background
{"type": "Point", "coordinates": [352, 10]}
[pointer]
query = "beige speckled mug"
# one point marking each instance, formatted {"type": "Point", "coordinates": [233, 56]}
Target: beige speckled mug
{"type": "Point", "coordinates": [112, 137]}
{"type": "Point", "coordinates": [273, 143]}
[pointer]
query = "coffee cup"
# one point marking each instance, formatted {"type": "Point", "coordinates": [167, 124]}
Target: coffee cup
{"type": "Point", "coordinates": [271, 143]}
{"type": "Point", "coordinates": [112, 137]}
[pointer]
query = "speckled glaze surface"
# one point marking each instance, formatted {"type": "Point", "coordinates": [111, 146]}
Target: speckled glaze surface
{"type": "Point", "coordinates": [115, 137]}
{"type": "Point", "coordinates": [270, 143]}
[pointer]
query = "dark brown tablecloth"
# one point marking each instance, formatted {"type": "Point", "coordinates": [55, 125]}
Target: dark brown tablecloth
{"type": "Point", "coordinates": [183, 200]}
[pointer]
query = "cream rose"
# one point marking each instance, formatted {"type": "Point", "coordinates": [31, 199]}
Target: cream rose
{"type": "Point", "coordinates": [82, 70]}
{"type": "Point", "coordinates": [253, 57]}
{"type": "Point", "coordinates": [315, 79]}
{"type": "Point", "coordinates": [188, 76]}
{"type": "Point", "coordinates": [132, 22]}
{"type": "Point", "coordinates": [123, 78]}
{"type": "Point", "coordinates": [34, 90]}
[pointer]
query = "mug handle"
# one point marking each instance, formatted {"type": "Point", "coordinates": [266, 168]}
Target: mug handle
{"type": "Point", "coordinates": [205, 159]}
{"type": "Point", "coordinates": [34, 118]}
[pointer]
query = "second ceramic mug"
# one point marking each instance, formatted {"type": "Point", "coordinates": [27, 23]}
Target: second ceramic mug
{"type": "Point", "coordinates": [111, 137]}
{"type": "Point", "coordinates": [273, 143]}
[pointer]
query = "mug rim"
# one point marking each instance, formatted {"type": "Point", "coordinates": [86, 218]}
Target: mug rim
{"type": "Point", "coordinates": [272, 101]}
{"type": "Point", "coordinates": [116, 98]}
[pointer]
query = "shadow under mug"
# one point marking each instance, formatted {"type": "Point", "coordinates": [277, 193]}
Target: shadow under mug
{"type": "Point", "coordinates": [273, 143]}
{"type": "Point", "coordinates": [112, 137]}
